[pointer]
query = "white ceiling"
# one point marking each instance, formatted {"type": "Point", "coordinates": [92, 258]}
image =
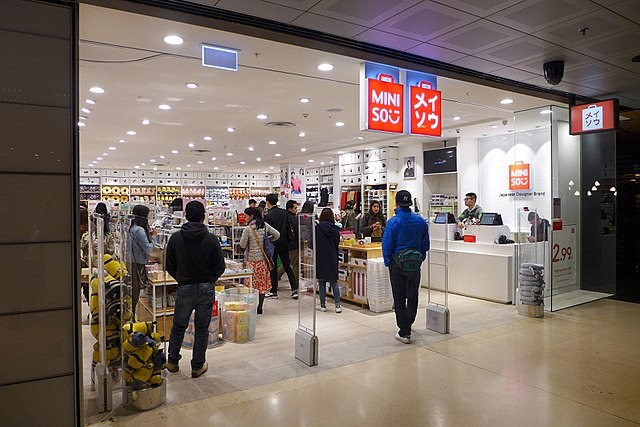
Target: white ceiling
{"type": "Point", "coordinates": [125, 54]}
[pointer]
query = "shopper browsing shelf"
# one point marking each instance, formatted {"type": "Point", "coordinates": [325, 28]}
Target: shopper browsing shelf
{"type": "Point", "coordinates": [278, 218]}
{"type": "Point", "coordinates": [473, 212]}
{"type": "Point", "coordinates": [256, 258]}
{"type": "Point", "coordinates": [349, 216]}
{"type": "Point", "coordinates": [404, 248]}
{"type": "Point", "coordinates": [372, 223]}
{"type": "Point", "coordinates": [327, 241]}
{"type": "Point", "coordinates": [142, 239]}
{"type": "Point", "coordinates": [292, 209]}
{"type": "Point", "coordinates": [194, 258]}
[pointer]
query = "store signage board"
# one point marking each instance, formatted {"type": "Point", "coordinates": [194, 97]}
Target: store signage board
{"type": "Point", "coordinates": [520, 176]}
{"type": "Point", "coordinates": [381, 98]}
{"type": "Point", "coordinates": [424, 102]}
{"type": "Point", "coordinates": [594, 117]}
{"type": "Point", "coordinates": [220, 57]}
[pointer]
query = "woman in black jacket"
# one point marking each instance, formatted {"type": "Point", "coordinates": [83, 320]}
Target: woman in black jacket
{"type": "Point", "coordinates": [327, 240]}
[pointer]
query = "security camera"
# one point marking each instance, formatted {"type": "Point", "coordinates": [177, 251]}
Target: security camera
{"type": "Point", "coordinates": [504, 122]}
{"type": "Point", "coordinates": [553, 72]}
{"type": "Point", "coordinates": [457, 130]}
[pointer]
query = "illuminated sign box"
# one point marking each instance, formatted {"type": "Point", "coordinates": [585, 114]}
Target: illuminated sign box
{"type": "Point", "coordinates": [219, 57]}
{"type": "Point", "coordinates": [594, 117]}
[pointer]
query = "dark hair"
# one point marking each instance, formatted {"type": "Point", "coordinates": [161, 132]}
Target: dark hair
{"type": "Point", "coordinates": [375, 202]}
{"type": "Point", "coordinates": [272, 199]}
{"type": "Point", "coordinates": [176, 204]}
{"type": "Point", "coordinates": [350, 204]}
{"type": "Point", "coordinates": [252, 201]}
{"type": "Point", "coordinates": [84, 216]}
{"type": "Point", "coordinates": [194, 211]}
{"type": "Point", "coordinates": [291, 204]}
{"type": "Point", "coordinates": [472, 195]}
{"type": "Point", "coordinates": [327, 215]}
{"type": "Point", "coordinates": [307, 207]}
{"type": "Point", "coordinates": [101, 209]}
{"type": "Point", "coordinates": [256, 215]}
{"type": "Point", "coordinates": [532, 216]}
{"type": "Point", "coordinates": [140, 218]}
{"type": "Point", "coordinates": [262, 203]}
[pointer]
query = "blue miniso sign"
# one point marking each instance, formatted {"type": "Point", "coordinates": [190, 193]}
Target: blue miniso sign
{"type": "Point", "coordinates": [219, 57]}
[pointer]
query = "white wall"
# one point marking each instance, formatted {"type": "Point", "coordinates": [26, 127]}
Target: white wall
{"type": "Point", "coordinates": [415, 185]}
{"type": "Point", "coordinates": [468, 169]}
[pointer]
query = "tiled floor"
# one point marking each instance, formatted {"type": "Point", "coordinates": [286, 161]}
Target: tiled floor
{"type": "Point", "coordinates": [580, 366]}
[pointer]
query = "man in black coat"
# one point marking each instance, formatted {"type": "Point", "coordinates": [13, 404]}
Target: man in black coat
{"type": "Point", "coordinates": [279, 219]}
{"type": "Point", "coordinates": [294, 253]}
{"type": "Point", "coordinates": [194, 258]}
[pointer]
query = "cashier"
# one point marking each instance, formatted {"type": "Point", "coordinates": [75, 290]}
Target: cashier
{"type": "Point", "coordinates": [472, 212]}
{"type": "Point", "coordinates": [539, 228]}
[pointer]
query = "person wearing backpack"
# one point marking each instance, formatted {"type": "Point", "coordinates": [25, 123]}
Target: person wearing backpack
{"type": "Point", "coordinates": [404, 247]}
{"type": "Point", "coordinates": [254, 239]}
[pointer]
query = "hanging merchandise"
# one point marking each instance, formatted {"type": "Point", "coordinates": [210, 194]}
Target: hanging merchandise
{"type": "Point", "coordinates": [324, 197]}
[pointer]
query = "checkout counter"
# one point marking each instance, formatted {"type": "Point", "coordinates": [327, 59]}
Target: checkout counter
{"type": "Point", "coordinates": [478, 267]}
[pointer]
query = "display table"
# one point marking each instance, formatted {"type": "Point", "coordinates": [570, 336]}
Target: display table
{"type": "Point", "coordinates": [481, 270]}
{"type": "Point", "coordinates": [352, 270]}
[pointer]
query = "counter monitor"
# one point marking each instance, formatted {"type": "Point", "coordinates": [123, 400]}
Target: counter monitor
{"type": "Point", "coordinates": [441, 218]}
{"type": "Point", "coordinates": [491, 219]}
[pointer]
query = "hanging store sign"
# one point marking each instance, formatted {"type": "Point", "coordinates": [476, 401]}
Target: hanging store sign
{"type": "Point", "coordinates": [223, 58]}
{"type": "Point", "coordinates": [426, 110]}
{"type": "Point", "coordinates": [594, 117]}
{"type": "Point", "coordinates": [520, 176]}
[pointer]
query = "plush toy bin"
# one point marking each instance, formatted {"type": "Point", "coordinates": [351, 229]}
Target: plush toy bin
{"type": "Point", "coordinates": [145, 399]}
{"type": "Point", "coordinates": [239, 313]}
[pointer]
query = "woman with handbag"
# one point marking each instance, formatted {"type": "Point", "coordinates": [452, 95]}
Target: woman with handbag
{"type": "Point", "coordinates": [257, 259]}
{"type": "Point", "coordinates": [143, 238]}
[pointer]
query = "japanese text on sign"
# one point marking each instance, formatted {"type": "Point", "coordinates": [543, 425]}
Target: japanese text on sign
{"type": "Point", "coordinates": [592, 118]}
{"type": "Point", "coordinates": [426, 110]}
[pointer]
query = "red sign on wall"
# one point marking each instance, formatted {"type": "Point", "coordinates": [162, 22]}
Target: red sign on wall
{"type": "Point", "coordinates": [426, 110]}
{"type": "Point", "coordinates": [520, 176]}
{"type": "Point", "coordinates": [594, 117]}
{"type": "Point", "coordinates": [385, 109]}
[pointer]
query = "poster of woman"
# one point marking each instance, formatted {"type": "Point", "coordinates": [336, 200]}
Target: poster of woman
{"type": "Point", "coordinates": [296, 183]}
{"type": "Point", "coordinates": [409, 167]}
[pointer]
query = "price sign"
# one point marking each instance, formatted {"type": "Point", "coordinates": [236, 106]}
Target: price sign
{"type": "Point", "coordinates": [563, 256]}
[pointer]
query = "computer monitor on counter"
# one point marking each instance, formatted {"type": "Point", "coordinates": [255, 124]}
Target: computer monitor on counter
{"type": "Point", "coordinates": [444, 218]}
{"type": "Point", "coordinates": [491, 218]}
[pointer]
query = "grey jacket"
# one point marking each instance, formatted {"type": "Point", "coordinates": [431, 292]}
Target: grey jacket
{"type": "Point", "coordinates": [140, 246]}
{"type": "Point", "coordinates": [248, 238]}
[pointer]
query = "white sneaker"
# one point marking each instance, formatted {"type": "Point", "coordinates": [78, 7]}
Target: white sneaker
{"type": "Point", "coordinates": [338, 309]}
{"type": "Point", "coordinates": [405, 340]}
{"type": "Point", "coordinates": [321, 308]}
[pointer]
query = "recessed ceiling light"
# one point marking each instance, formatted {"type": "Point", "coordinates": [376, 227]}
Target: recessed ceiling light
{"type": "Point", "coordinates": [174, 151]}
{"type": "Point", "coordinates": [494, 126]}
{"type": "Point", "coordinates": [146, 122]}
{"type": "Point", "coordinates": [122, 141]}
{"type": "Point", "coordinates": [90, 101]}
{"type": "Point", "coordinates": [155, 168]}
{"type": "Point", "coordinates": [188, 166]}
{"type": "Point", "coordinates": [178, 168]}
{"type": "Point", "coordinates": [105, 154]}
{"type": "Point", "coordinates": [229, 154]}
{"type": "Point", "coordinates": [304, 100]}
{"type": "Point", "coordinates": [331, 162]}
{"type": "Point", "coordinates": [152, 160]}
{"type": "Point", "coordinates": [261, 117]}
{"type": "Point", "coordinates": [191, 145]}
{"type": "Point", "coordinates": [456, 118]}
{"type": "Point", "coordinates": [94, 162]}
{"type": "Point", "coordinates": [200, 162]}
{"type": "Point", "coordinates": [82, 124]}
{"type": "Point", "coordinates": [91, 165]}
{"type": "Point", "coordinates": [325, 67]}
{"type": "Point", "coordinates": [302, 134]}
{"type": "Point", "coordinates": [173, 39]}
{"type": "Point", "coordinates": [131, 132]}
{"type": "Point", "coordinates": [85, 110]}
{"type": "Point", "coordinates": [207, 138]}
{"type": "Point", "coordinates": [243, 162]}
{"type": "Point", "coordinates": [272, 142]}
{"type": "Point", "coordinates": [214, 158]}
{"type": "Point", "coordinates": [99, 158]}
{"type": "Point", "coordinates": [340, 152]}
{"type": "Point", "coordinates": [192, 85]}
{"type": "Point", "coordinates": [164, 107]}
{"type": "Point", "coordinates": [112, 148]}
{"type": "Point", "coordinates": [82, 118]}
{"type": "Point", "coordinates": [270, 167]}
{"type": "Point", "coordinates": [258, 159]}
{"type": "Point", "coordinates": [545, 112]}
{"type": "Point", "coordinates": [361, 138]}
{"type": "Point", "coordinates": [136, 167]}
{"type": "Point", "coordinates": [215, 168]}
{"type": "Point", "coordinates": [322, 163]}
{"type": "Point", "coordinates": [231, 129]}
{"type": "Point", "coordinates": [277, 154]}
{"type": "Point", "coordinates": [311, 160]}
{"type": "Point", "coordinates": [96, 89]}
{"type": "Point", "coordinates": [506, 101]}
{"type": "Point", "coordinates": [303, 149]}
{"type": "Point", "coordinates": [251, 148]}
{"type": "Point", "coordinates": [143, 164]}
{"type": "Point", "coordinates": [162, 157]}
{"type": "Point", "coordinates": [339, 124]}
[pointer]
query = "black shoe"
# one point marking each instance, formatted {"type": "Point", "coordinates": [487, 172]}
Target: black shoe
{"type": "Point", "coordinates": [271, 295]}
{"type": "Point", "coordinates": [259, 311]}
{"type": "Point", "coordinates": [294, 294]}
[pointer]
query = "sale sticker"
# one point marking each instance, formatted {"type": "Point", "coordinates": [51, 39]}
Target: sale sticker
{"type": "Point", "coordinates": [520, 176]}
{"type": "Point", "coordinates": [426, 110]}
{"type": "Point", "coordinates": [385, 104]}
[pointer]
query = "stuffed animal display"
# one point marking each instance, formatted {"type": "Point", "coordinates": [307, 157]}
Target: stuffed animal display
{"type": "Point", "coordinates": [143, 359]}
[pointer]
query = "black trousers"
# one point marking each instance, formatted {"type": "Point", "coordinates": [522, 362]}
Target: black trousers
{"type": "Point", "coordinates": [283, 252]}
{"type": "Point", "coordinates": [405, 287]}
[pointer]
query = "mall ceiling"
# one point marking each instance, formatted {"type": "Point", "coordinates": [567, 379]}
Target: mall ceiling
{"type": "Point", "coordinates": [125, 54]}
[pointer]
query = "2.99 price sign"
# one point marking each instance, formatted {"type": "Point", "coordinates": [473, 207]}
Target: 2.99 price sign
{"type": "Point", "coordinates": [561, 253]}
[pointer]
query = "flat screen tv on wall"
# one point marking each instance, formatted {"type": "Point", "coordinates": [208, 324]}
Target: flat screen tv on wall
{"type": "Point", "coordinates": [441, 160]}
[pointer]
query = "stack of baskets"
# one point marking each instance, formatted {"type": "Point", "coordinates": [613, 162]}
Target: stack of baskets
{"type": "Point", "coordinates": [379, 292]}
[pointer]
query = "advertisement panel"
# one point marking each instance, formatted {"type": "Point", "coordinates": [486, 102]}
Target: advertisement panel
{"type": "Point", "coordinates": [520, 176]}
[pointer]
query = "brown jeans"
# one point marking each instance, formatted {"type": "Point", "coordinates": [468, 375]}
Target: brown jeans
{"type": "Point", "coordinates": [295, 265]}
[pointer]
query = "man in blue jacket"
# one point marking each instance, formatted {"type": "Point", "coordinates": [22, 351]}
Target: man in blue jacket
{"type": "Point", "coordinates": [405, 240]}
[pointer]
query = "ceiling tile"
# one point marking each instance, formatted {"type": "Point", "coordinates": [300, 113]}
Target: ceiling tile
{"type": "Point", "coordinates": [630, 9]}
{"type": "Point", "coordinates": [600, 24]}
{"type": "Point", "coordinates": [534, 15]}
{"type": "Point", "coordinates": [260, 9]}
{"type": "Point", "coordinates": [624, 61]}
{"type": "Point", "coordinates": [362, 12]}
{"type": "Point", "coordinates": [477, 64]}
{"type": "Point", "coordinates": [615, 45]}
{"type": "Point", "coordinates": [384, 39]}
{"type": "Point", "coordinates": [613, 81]}
{"type": "Point", "coordinates": [480, 8]}
{"type": "Point", "coordinates": [426, 21]}
{"type": "Point", "coordinates": [435, 52]}
{"type": "Point", "coordinates": [476, 37]}
{"type": "Point", "coordinates": [587, 71]}
{"type": "Point", "coordinates": [514, 74]}
{"type": "Point", "coordinates": [328, 25]}
{"type": "Point", "coordinates": [519, 50]}
{"type": "Point", "coordinates": [295, 4]}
